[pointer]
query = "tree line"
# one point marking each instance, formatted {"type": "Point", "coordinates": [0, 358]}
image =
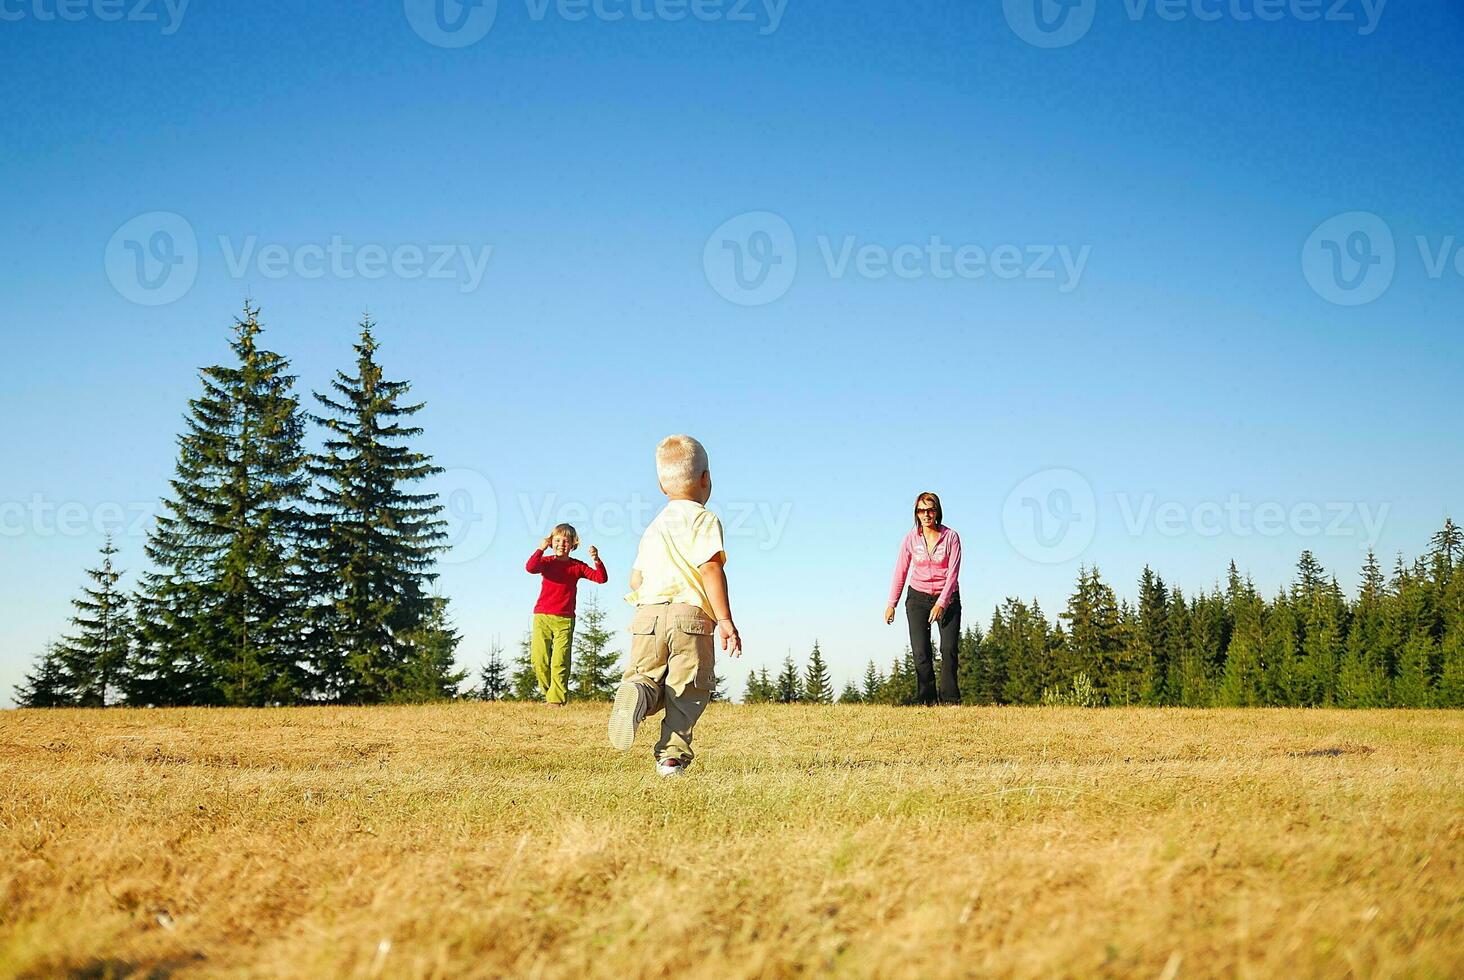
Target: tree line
{"type": "Point", "coordinates": [1398, 643]}
{"type": "Point", "coordinates": [281, 574]}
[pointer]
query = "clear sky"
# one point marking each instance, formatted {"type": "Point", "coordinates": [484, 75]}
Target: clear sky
{"type": "Point", "coordinates": [1165, 282]}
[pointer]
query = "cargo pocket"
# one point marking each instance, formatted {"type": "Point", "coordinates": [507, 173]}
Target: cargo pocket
{"type": "Point", "coordinates": [646, 651]}
{"type": "Point", "coordinates": [693, 657]}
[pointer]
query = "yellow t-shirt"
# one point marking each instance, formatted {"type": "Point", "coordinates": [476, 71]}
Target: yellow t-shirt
{"type": "Point", "coordinates": [682, 538]}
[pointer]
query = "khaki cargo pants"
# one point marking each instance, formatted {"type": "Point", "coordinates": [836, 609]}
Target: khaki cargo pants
{"type": "Point", "coordinates": [673, 660]}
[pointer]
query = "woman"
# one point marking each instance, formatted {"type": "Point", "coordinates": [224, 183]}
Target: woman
{"type": "Point", "coordinates": [930, 556]}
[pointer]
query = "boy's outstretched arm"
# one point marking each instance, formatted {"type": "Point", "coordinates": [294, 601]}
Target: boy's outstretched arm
{"type": "Point", "coordinates": [715, 579]}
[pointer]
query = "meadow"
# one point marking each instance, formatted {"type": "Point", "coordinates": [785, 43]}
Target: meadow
{"type": "Point", "coordinates": [508, 840]}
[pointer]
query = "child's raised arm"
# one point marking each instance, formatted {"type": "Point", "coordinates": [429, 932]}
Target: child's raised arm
{"type": "Point", "coordinates": [596, 573]}
{"type": "Point", "coordinates": [536, 560]}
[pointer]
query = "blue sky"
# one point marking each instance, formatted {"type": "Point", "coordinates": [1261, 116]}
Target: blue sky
{"type": "Point", "coordinates": [1200, 381]}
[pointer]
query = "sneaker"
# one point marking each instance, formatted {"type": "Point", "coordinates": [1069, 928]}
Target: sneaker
{"type": "Point", "coordinates": [626, 714]}
{"type": "Point", "coordinates": [671, 767]}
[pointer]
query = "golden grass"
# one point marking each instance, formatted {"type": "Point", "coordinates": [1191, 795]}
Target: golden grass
{"type": "Point", "coordinates": [508, 840]}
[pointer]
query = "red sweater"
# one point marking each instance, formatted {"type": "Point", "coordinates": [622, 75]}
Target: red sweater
{"type": "Point", "coordinates": [561, 578]}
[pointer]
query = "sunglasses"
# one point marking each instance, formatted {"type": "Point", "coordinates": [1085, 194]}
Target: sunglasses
{"type": "Point", "coordinates": [925, 510]}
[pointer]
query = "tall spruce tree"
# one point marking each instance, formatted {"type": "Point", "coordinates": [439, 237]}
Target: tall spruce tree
{"type": "Point", "coordinates": [789, 683]}
{"type": "Point", "coordinates": [595, 673]}
{"type": "Point", "coordinates": [221, 615]}
{"type": "Point", "coordinates": [982, 670]}
{"type": "Point", "coordinates": [873, 681]}
{"type": "Point", "coordinates": [47, 685]}
{"type": "Point", "coordinates": [817, 686]}
{"type": "Point", "coordinates": [1202, 661]}
{"type": "Point", "coordinates": [1095, 640]}
{"type": "Point", "coordinates": [1362, 680]}
{"type": "Point", "coordinates": [1025, 641]}
{"type": "Point", "coordinates": [1243, 683]}
{"type": "Point", "coordinates": [1152, 642]}
{"type": "Point", "coordinates": [1281, 656]}
{"type": "Point", "coordinates": [375, 538]}
{"type": "Point", "coordinates": [95, 655]}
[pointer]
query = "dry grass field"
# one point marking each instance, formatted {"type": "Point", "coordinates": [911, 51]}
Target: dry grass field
{"type": "Point", "coordinates": [472, 839]}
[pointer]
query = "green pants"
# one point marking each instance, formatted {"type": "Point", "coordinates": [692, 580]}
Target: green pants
{"type": "Point", "coordinates": [549, 648]}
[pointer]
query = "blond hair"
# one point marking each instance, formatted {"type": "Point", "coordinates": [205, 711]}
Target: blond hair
{"type": "Point", "coordinates": [680, 463]}
{"type": "Point", "coordinates": [569, 532]}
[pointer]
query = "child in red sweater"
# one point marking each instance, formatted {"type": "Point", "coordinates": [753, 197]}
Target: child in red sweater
{"type": "Point", "coordinates": [553, 629]}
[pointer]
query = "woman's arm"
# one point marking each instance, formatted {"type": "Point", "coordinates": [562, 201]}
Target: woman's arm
{"type": "Point", "coordinates": [952, 576]}
{"type": "Point", "coordinates": [902, 571]}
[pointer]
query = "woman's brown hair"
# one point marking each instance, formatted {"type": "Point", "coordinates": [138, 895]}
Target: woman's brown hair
{"type": "Point", "coordinates": [934, 502]}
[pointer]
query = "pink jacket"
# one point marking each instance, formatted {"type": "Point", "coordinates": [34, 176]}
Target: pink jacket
{"type": "Point", "coordinates": [934, 572]}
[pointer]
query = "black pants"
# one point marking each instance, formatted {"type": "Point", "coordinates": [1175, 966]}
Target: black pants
{"type": "Point", "coordinates": [918, 606]}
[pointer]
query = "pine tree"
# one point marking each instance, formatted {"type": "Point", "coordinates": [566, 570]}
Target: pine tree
{"type": "Point", "coordinates": [47, 686]}
{"type": "Point", "coordinates": [220, 617]}
{"type": "Point", "coordinates": [95, 655]}
{"type": "Point", "coordinates": [1310, 575]}
{"type": "Point", "coordinates": [899, 686]}
{"type": "Point", "coordinates": [375, 540]}
{"type": "Point", "coordinates": [982, 671]}
{"type": "Point", "coordinates": [1095, 640]}
{"type": "Point", "coordinates": [759, 687]}
{"type": "Point", "coordinates": [1280, 654]}
{"type": "Point", "coordinates": [523, 684]}
{"type": "Point", "coordinates": [1321, 651]}
{"type": "Point", "coordinates": [493, 676]}
{"type": "Point", "coordinates": [1152, 642]}
{"type": "Point", "coordinates": [766, 686]}
{"type": "Point", "coordinates": [1450, 693]}
{"type": "Point", "coordinates": [873, 680]}
{"type": "Point", "coordinates": [1021, 637]}
{"type": "Point", "coordinates": [595, 673]}
{"type": "Point", "coordinates": [1411, 687]}
{"type": "Point", "coordinates": [1362, 680]}
{"type": "Point", "coordinates": [429, 668]}
{"type": "Point", "coordinates": [1446, 551]}
{"type": "Point", "coordinates": [789, 684]}
{"type": "Point", "coordinates": [1201, 658]}
{"type": "Point", "coordinates": [817, 687]}
{"type": "Point", "coordinates": [851, 694]}
{"type": "Point", "coordinates": [1243, 683]}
